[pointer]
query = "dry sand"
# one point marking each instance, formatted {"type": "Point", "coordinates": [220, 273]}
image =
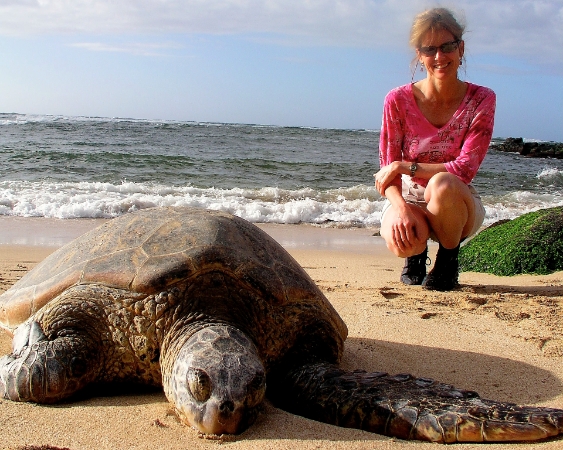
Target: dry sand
{"type": "Point", "coordinates": [498, 336]}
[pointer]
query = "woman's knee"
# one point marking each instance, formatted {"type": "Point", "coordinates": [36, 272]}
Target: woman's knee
{"type": "Point", "coordinates": [443, 185]}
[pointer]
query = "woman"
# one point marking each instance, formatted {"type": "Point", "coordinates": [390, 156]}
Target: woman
{"type": "Point", "coordinates": [434, 136]}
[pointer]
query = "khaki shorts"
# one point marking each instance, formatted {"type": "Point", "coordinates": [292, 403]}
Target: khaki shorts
{"type": "Point", "coordinates": [414, 194]}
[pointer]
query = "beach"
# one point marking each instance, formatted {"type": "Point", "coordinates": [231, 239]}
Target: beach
{"type": "Point", "coordinates": [499, 336]}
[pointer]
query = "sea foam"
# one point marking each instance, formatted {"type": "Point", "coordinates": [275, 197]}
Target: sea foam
{"type": "Point", "coordinates": [356, 206]}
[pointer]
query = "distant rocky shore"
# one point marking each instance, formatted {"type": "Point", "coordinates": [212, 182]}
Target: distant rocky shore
{"type": "Point", "coordinates": [530, 149]}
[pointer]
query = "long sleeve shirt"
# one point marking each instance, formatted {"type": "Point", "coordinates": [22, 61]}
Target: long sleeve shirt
{"type": "Point", "coordinates": [462, 143]}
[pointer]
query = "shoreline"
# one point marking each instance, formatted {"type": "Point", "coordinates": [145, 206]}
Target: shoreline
{"type": "Point", "coordinates": [499, 336]}
{"type": "Point", "coordinates": [47, 232]}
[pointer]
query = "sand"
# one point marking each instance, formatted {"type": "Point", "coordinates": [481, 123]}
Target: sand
{"type": "Point", "coordinates": [499, 336]}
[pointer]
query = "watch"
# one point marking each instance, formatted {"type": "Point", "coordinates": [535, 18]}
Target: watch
{"type": "Point", "coordinates": [413, 168]}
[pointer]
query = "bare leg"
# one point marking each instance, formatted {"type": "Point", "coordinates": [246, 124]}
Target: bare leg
{"type": "Point", "coordinates": [451, 213]}
{"type": "Point", "coordinates": [451, 209]}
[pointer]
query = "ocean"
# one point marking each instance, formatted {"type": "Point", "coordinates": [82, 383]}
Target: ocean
{"type": "Point", "coordinates": [93, 167]}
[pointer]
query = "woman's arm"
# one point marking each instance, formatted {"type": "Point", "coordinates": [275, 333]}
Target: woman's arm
{"type": "Point", "coordinates": [386, 175]}
{"type": "Point", "coordinates": [481, 117]}
{"type": "Point", "coordinates": [390, 143]}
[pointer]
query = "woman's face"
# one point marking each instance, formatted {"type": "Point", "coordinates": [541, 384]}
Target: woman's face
{"type": "Point", "coordinates": [441, 61]}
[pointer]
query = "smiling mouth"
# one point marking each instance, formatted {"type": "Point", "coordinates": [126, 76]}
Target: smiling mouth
{"type": "Point", "coordinates": [441, 66]}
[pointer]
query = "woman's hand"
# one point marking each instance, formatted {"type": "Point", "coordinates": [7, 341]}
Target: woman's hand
{"type": "Point", "coordinates": [386, 175]}
{"type": "Point", "coordinates": [404, 230]}
{"type": "Point", "coordinates": [404, 226]}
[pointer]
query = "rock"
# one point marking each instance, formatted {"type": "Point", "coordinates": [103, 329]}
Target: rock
{"type": "Point", "coordinates": [530, 149]}
{"type": "Point", "coordinates": [511, 145]}
{"type": "Point", "coordinates": [543, 149]}
{"type": "Point", "coordinates": [529, 244]}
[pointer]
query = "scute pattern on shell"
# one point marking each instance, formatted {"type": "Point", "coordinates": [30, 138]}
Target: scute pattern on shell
{"type": "Point", "coordinates": [150, 251]}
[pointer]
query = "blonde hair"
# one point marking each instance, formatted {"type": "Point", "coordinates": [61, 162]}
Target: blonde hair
{"type": "Point", "coordinates": [431, 21]}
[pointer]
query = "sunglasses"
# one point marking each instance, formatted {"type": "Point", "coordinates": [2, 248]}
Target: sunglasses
{"type": "Point", "coordinates": [446, 47]}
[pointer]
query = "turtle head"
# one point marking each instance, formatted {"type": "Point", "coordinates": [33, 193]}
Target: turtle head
{"type": "Point", "coordinates": [218, 381]}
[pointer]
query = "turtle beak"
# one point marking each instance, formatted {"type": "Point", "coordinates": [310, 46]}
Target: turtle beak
{"type": "Point", "coordinates": [218, 419]}
{"type": "Point", "coordinates": [232, 405]}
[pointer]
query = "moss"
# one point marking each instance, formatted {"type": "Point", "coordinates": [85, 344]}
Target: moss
{"type": "Point", "coordinates": [530, 244]}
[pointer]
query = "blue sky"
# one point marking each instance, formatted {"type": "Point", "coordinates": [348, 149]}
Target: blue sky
{"type": "Point", "coordinates": [319, 63]}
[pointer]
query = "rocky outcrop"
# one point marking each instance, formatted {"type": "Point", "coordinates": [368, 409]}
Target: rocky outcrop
{"type": "Point", "coordinates": [530, 149]}
{"type": "Point", "coordinates": [529, 244]}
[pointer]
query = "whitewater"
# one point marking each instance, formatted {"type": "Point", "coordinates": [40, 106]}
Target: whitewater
{"type": "Point", "coordinates": [88, 167]}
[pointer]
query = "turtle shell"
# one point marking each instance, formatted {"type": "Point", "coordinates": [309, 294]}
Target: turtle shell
{"type": "Point", "coordinates": [150, 250]}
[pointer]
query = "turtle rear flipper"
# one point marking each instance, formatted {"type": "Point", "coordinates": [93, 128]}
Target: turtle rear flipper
{"type": "Point", "coordinates": [407, 407]}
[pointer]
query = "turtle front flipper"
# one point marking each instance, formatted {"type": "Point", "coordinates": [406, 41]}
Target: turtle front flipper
{"type": "Point", "coordinates": [51, 362]}
{"type": "Point", "coordinates": [408, 408]}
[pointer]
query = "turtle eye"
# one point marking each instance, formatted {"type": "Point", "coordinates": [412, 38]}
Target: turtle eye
{"type": "Point", "coordinates": [256, 389]}
{"type": "Point", "coordinates": [258, 381]}
{"type": "Point", "coordinates": [199, 384]}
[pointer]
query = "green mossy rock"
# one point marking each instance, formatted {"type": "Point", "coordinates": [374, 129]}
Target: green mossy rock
{"type": "Point", "coordinates": [529, 244]}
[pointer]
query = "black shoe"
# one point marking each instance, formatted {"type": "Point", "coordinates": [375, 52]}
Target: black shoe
{"type": "Point", "coordinates": [415, 268]}
{"type": "Point", "coordinates": [444, 275]}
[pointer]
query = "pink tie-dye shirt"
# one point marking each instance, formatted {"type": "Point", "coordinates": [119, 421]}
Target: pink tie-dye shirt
{"type": "Point", "coordinates": [406, 135]}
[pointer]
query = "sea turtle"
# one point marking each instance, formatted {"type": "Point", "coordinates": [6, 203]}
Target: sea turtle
{"type": "Point", "coordinates": [212, 308]}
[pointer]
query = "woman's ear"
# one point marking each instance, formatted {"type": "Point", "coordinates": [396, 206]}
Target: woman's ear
{"type": "Point", "coordinates": [419, 57]}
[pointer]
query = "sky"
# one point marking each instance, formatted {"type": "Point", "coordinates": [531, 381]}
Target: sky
{"type": "Point", "coordinates": [312, 63]}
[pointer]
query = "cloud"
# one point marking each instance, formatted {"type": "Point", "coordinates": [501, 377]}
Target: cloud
{"type": "Point", "coordinates": [518, 27]}
{"type": "Point", "coordinates": [314, 18]}
{"type": "Point", "coordinates": [531, 29]}
{"type": "Point", "coordinates": [135, 48]}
